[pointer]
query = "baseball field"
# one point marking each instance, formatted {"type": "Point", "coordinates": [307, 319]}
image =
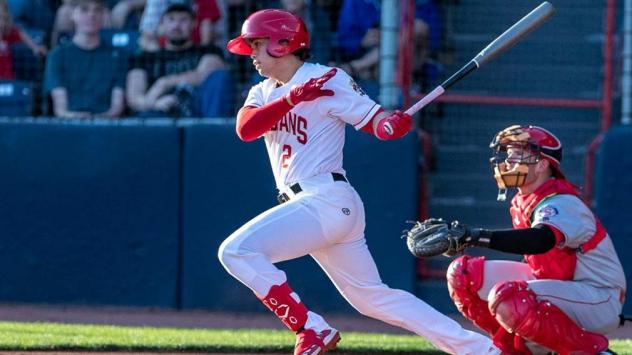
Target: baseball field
{"type": "Point", "coordinates": [63, 330]}
{"type": "Point", "coordinates": [16, 336]}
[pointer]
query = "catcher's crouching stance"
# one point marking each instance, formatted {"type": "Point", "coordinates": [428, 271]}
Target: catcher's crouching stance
{"type": "Point", "coordinates": [569, 292]}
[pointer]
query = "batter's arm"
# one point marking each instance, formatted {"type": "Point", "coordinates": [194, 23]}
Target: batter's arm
{"type": "Point", "coordinates": [253, 122]}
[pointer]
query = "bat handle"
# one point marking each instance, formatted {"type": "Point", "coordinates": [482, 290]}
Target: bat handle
{"type": "Point", "coordinates": [425, 100]}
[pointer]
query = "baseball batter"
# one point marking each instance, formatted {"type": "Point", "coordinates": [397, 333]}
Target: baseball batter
{"type": "Point", "coordinates": [301, 110]}
{"type": "Point", "coordinates": [571, 289]}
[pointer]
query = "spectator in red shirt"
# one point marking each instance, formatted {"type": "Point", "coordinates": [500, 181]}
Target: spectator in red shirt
{"type": "Point", "coordinates": [207, 13]}
{"type": "Point", "coordinates": [9, 35]}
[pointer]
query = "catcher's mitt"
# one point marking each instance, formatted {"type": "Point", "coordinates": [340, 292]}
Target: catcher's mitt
{"type": "Point", "coordinates": [435, 237]}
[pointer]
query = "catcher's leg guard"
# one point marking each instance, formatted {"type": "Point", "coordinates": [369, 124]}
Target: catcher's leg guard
{"type": "Point", "coordinates": [465, 278]}
{"type": "Point", "coordinates": [517, 308]}
{"type": "Point", "coordinates": [286, 305]}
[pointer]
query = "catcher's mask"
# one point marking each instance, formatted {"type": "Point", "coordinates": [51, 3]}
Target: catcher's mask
{"type": "Point", "coordinates": [285, 32]}
{"type": "Point", "coordinates": [515, 148]}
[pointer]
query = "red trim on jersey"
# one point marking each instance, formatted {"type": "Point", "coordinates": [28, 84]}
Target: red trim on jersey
{"type": "Point", "coordinates": [253, 122]}
{"type": "Point", "coordinates": [599, 235]}
{"type": "Point", "coordinates": [368, 128]}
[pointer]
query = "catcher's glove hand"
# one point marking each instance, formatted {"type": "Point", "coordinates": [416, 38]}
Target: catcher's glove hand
{"type": "Point", "coordinates": [435, 236]}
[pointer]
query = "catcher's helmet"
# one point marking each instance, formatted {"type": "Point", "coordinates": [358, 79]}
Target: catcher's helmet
{"type": "Point", "coordinates": [535, 143]}
{"type": "Point", "coordinates": [285, 32]}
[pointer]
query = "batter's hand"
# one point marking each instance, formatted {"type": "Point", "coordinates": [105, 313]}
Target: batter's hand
{"type": "Point", "coordinates": [394, 126]}
{"type": "Point", "coordinates": [310, 90]}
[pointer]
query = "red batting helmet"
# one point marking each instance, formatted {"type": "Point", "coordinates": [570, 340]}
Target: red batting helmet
{"type": "Point", "coordinates": [536, 143]}
{"type": "Point", "coordinates": [285, 32]}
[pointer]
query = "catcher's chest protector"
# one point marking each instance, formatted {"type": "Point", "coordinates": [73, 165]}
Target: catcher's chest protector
{"type": "Point", "coordinates": [557, 263]}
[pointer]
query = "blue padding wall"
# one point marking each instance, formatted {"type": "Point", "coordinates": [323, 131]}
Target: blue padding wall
{"type": "Point", "coordinates": [227, 182]}
{"type": "Point", "coordinates": [612, 189]}
{"type": "Point", "coordinates": [132, 212]}
{"type": "Point", "coordinates": [89, 213]}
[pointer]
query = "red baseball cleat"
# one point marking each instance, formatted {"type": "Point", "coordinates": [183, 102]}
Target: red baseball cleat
{"type": "Point", "coordinates": [308, 342]}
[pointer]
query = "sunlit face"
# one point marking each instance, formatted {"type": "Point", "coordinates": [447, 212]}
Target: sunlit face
{"type": "Point", "coordinates": [518, 155]}
{"type": "Point", "coordinates": [264, 63]}
{"type": "Point", "coordinates": [88, 17]}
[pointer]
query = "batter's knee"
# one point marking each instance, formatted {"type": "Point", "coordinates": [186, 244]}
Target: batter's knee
{"type": "Point", "coordinates": [229, 254]}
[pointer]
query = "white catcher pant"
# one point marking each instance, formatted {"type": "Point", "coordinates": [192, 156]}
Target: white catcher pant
{"type": "Point", "coordinates": [326, 221]}
{"type": "Point", "coordinates": [593, 308]}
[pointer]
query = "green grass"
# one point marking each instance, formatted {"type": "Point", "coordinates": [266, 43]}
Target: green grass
{"type": "Point", "coordinates": [53, 336]}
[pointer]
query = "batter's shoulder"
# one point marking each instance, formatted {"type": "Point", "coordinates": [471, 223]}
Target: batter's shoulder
{"type": "Point", "coordinates": [317, 69]}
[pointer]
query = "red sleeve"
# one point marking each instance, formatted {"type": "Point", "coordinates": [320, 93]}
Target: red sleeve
{"type": "Point", "coordinates": [13, 36]}
{"type": "Point", "coordinates": [253, 122]}
{"type": "Point", "coordinates": [207, 9]}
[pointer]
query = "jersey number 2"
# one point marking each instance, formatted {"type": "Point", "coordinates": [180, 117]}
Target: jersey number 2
{"type": "Point", "coordinates": [287, 153]}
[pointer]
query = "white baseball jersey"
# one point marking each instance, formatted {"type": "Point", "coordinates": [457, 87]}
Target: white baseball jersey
{"type": "Point", "coordinates": [308, 140]}
{"type": "Point", "coordinates": [600, 266]}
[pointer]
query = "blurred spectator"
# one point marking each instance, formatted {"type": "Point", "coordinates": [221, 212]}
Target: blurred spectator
{"type": "Point", "coordinates": [10, 35]}
{"type": "Point", "coordinates": [209, 26]}
{"type": "Point", "coordinates": [359, 41]}
{"type": "Point", "coordinates": [358, 28]}
{"type": "Point", "coordinates": [359, 36]}
{"type": "Point", "coordinates": [121, 10]}
{"type": "Point", "coordinates": [182, 79]}
{"type": "Point", "coordinates": [85, 77]}
{"type": "Point", "coordinates": [427, 32]}
{"type": "Point", "coordinates": [318, 25]}
{"type": "Point", "coordinates": [33, 14]}
{"type": "Point", "coordinates": [149, 24]}
{"type": "Point", "coordinates": [117, 16]}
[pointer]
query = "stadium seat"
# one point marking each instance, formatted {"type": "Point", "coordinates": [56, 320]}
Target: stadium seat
{"type": "Point", "coordinates": [16, 98]}
{"type": "Point", "coordinates": [123, 39]}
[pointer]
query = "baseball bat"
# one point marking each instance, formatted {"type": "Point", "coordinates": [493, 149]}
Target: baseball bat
{"type": "Point", "coordinates": [508, 38]}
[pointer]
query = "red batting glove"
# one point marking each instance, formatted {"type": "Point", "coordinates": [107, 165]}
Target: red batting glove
{"type": "Point", "coordinates": [310, 90]}
{"type": "Point", "coordinates": [394, 126]}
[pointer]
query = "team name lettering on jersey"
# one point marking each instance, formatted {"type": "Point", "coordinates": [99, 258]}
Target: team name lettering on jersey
{"type": "Point", "coordinates": [295, 125]}
{"type": "Point", "coordinates": [299, 149]}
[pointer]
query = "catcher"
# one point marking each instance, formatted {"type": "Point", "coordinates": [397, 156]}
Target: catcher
{"type": "Point", "coordinates": [569, 291]}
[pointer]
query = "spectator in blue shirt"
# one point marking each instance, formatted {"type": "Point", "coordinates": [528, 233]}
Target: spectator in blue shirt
{"type": "Point", "coordinates": [32, 14]}
{"type": "Point", "coordinates": [358, 28]}
{"type": "Point", "coordinates": [359, 36]}
{"type": "Point", "coordinates": [85, 77]}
